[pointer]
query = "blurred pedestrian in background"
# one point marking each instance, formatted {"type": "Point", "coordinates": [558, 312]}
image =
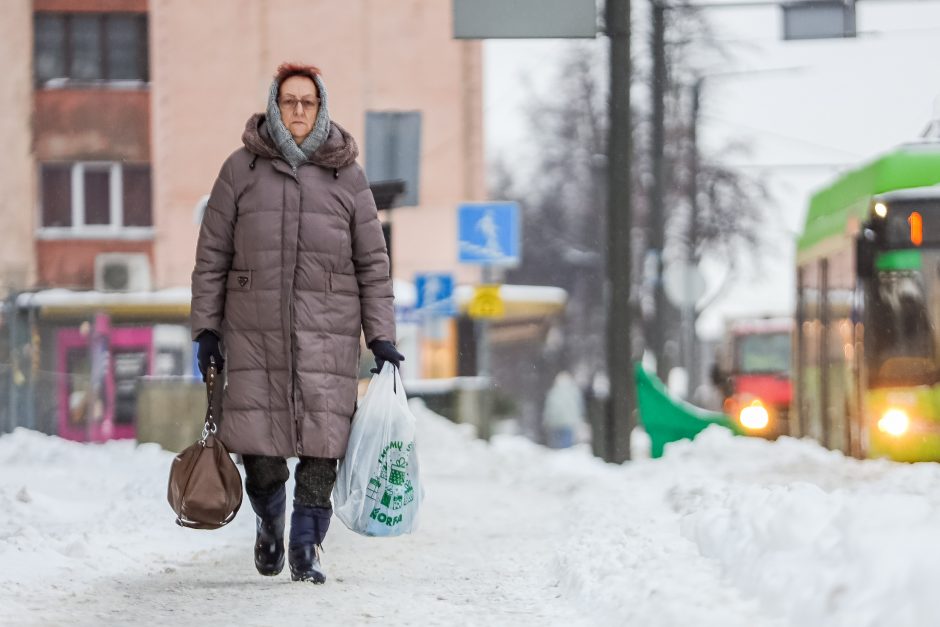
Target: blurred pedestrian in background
{"type": "Point", "coordinates": [563, 415]}
{"type": "Point", "coordinates": [291, 265]}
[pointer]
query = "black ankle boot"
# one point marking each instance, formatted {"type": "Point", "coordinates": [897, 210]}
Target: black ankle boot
{"type": "Point", "coordinates": [308, 526]}
{"type": "Point", "coordinates": [269, 538]}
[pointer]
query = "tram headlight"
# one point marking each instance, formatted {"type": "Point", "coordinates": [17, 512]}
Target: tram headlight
{"type": "Point", "coordinates": [754, 416]}
{"type": "Point", "coordinates": [894, 422]}
{"type": "Point", "coordinates": [881, 209]}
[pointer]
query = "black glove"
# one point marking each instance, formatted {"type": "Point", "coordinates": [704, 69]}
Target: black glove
{"type": "Point", "coordinates": [385, 351]}
{"type": "Point", "coordinates": [209, 348]}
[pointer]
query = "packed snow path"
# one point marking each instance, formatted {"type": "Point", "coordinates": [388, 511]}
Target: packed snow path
{"type": "Point", "coordinates": [724, 531]}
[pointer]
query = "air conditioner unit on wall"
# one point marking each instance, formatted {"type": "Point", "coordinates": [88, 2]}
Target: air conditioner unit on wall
{"type": "Point", "coordinates": [122, 272]}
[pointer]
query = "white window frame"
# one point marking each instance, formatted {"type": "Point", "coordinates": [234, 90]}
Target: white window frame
{"type": "Point", "coordinates": [80, 230]}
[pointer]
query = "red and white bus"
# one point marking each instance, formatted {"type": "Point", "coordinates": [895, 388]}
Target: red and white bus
{"type": "Point", "coordinates": [753, 374]}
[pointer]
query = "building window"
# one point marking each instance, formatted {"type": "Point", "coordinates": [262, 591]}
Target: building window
{"type": "Point", "coordinates": [136, 200]}
{"type": "Point", "coordinates": [86, 54]}
{"type": "Point", "coordinates": [393, 150]}
{"type": "Point", "coordinates": [96, 199]}
{"type": "Point", "coordinates": [96, 181]}
{"type": "Point", "coordinates": [89, 47]}
{"type": "Point", "coordinates": [56, 195]}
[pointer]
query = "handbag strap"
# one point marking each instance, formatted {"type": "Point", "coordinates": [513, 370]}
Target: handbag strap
{"type": "Point", "coordinates": [211, 426]}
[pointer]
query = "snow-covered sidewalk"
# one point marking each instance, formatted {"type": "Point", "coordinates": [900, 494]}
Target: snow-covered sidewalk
{"type": "Point", "coordinates": [724, 531]}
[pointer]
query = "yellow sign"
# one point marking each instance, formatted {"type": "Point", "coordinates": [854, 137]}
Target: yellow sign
{"type": "Point", "coordinates": [487, 303]}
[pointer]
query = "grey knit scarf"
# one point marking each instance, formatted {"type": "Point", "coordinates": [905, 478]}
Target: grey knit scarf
{"type": "Point", "coordinates": [292, 153]}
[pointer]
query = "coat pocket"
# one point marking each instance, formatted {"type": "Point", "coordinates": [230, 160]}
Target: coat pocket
{"type": "Point", "coordinates": [344, 283]}
{"type": "Point", "coordinates": [239, 280]}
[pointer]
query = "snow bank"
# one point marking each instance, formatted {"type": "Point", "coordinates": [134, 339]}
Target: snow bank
{"type": "Point", "coordinates": [819, 538]}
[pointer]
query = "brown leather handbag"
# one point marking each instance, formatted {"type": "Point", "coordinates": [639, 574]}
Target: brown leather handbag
{"type": "Point", "coordinates": [205, 487]}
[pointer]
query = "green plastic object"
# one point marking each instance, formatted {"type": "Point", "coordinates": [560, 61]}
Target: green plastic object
{"type": "Point", "coordinates": [667, 419]}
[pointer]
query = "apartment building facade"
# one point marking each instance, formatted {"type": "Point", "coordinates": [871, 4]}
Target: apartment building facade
{"type": "Point", "coordinates": [120, 112]}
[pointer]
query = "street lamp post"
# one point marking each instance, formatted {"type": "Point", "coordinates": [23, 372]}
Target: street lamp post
{"type": "Point", "coordinates": [657, 216]}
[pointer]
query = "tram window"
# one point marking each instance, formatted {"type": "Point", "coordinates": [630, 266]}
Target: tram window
{"type": "Point", "coordinates": [903, 351]}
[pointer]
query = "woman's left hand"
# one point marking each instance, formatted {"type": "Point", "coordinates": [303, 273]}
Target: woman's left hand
{"type": "Point", "coordinates": [385, 351]}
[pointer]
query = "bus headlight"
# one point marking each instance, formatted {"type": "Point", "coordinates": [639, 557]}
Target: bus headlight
{"type": "Point", "coordinates": [755, 416]}
{"type": "Point", "coordinates": [895, 422]}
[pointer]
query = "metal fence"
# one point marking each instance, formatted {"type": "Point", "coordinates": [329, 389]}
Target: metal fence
{"type": "Point", "coordinates": [165, 410]}
{"type": "Point", "coordinates": [34, 400]}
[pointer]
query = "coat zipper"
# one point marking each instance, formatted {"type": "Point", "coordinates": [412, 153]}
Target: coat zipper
{"type": "Point", "coordinates": [290, 330]}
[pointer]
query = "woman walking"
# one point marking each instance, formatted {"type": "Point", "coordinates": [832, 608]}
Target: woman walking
{"type": "Point", "coordinates": [291, 266]}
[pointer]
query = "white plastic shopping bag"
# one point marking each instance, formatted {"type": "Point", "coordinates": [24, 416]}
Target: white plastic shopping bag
{"type": "Point", "coordinates": [378, 490]}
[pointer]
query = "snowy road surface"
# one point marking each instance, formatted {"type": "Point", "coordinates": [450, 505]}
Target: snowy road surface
{"type": "Point", "coordinates": [724, 531]}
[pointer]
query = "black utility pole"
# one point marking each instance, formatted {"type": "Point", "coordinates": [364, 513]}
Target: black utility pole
{"type": "Point", "coordinates": [657, 216]}
{"type": "Point", "coordinates": [619, 319]}
{"type": "Point", "coordinates": [693, 253]}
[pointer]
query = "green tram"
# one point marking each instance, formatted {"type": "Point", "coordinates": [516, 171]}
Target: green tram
{"type": "Point", "coordinates": [867, 341]}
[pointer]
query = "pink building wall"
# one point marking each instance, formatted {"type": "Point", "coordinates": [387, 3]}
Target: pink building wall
{"type": "Point", "coordinates": [211, 64]}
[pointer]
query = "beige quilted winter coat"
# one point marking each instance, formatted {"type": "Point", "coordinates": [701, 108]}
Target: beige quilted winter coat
{"type": "Point", "coordinates": [290, 267]}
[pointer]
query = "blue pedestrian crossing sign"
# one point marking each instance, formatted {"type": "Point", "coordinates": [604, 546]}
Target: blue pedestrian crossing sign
{"type": "Point", "coordinates": [489, 233]}
{"type": "Point", "coordinates": [435, 294]}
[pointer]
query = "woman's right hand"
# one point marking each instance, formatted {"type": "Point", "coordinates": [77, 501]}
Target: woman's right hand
{"type": "Point", "coordinates": [208, 352]}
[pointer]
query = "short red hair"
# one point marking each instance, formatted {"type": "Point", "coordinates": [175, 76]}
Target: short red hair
{"type": "Point", "coordinates": [286, 70]}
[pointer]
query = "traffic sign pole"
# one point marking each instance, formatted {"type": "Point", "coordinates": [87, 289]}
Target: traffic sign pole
{"type": "Point", "coordinates": [489, 234]}
{"type": "Point", "coordinates": [484, 366]}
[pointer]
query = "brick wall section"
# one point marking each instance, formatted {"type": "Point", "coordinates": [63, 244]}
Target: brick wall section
{"type": "Point", "coordinates": [71, 262]}
{"type": "Point", "coordinates": [92, 124]}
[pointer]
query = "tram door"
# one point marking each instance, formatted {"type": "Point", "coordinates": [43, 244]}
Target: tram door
{"type": "Point", "coordinates": [809, 356]}
{"type": "Point", "coordinates": [99, 368]}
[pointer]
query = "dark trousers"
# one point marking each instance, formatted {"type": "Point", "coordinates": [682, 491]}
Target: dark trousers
{"type": "Point", "coordinates": [313, 478]}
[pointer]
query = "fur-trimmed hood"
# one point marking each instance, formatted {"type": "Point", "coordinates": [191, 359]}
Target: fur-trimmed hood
{"type": "Point", "coordinates": [338, 151]}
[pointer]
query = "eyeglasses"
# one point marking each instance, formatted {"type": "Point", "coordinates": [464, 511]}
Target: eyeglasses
{"type": "Point", "coordinates": [290, 104]}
